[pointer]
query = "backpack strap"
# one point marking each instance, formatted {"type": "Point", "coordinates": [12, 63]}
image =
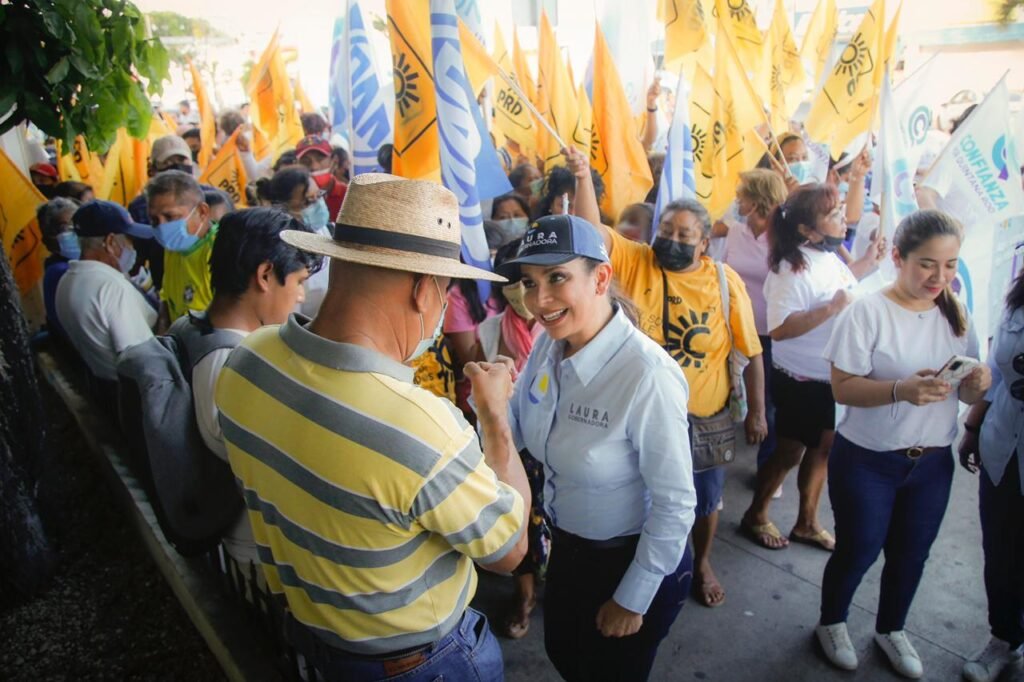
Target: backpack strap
{"type": "Point", "coordinates": [197, 339]}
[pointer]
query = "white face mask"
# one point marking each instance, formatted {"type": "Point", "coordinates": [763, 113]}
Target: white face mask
{"type": "Point", "coordinates": [511, 228]}
{"type": "Point", "coordinates": [320, 173]}
{"type": "Point", "coordinates": [427, 341]}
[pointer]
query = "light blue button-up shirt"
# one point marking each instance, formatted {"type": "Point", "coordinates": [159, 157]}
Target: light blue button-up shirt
{"type": "Point", "coordinates": [609, 425]}
{"type": "Point", "coordinates": [1002, 432]}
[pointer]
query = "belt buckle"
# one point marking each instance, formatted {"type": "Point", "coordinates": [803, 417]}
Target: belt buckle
{"type": "Point", "coordinates": [914, 452]}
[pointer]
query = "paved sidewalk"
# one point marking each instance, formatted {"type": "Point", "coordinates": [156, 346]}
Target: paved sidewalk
{"type": "Point", "coordinates": [764, 630]}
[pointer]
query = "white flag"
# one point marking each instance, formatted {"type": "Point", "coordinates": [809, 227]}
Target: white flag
{"type": "Point", "coordinates": [677, 175]}
{"type": "Point", "coordinates": [916, 100]}
{"type": "Point", "coordinates": [978, 173]}
{"type": "Point", "coordinates": [893, 174]}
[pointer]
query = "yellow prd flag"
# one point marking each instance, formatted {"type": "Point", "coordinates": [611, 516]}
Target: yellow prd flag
{"type": "Point", "coordinates": [169, 122]}
{"type": "Point", "coordinates": [821, 33]}
{"type": "Point", "coordinates": [123, 177]}
{"type": "Point", "coordinates": [522, 69]}
{"type": "Point", "coordinates": [305, 105]}
{"type": "Point", "coordinates": [417, 152]}
{"type": "Point", "coordinates": [511, 116]}
{"type": "Point", "coordinates": [685, 28]}
{"type": "Point", "coordinates": [737, 18]}
{"type": "Point", "coordinates": [19, 230]}
{"type": "Point", "coordinates": [260, 144]}
{"type": "Point", "coordinates": [583, 135]}
{"type": "Point", "coordinates": [736, 114]}
{"type": "Point", "coordinates": [501, 54]}
{"type": "Point", "coordinates": [616, 152]}
{"type": "Point", "coordinates": [788, 75]}
{"type": "Point", "coordinates": [556, 100]}
{"type": "Point", "coordinates": [273, 101]}
{"type": "Point", "coordinates": [226, 171]}
{"type": "Point", "coordinates": [843, 108]}
{"type": "Point", "coordinates": [703, 102]}
{"type": "Point", "coordinates": [480, 66]}
{"type": "Point", "coordinates": [207, 124]}
{"type": "Point", "coordinates": [80, 164]}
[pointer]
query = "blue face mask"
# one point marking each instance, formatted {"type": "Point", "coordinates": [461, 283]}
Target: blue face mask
{"type": "Point", "coordinates": [844, 189]}
{"type": "Point", "coordinates": [801, 170]}
{"type": "Point", "coordinates": [316, 215]}
{"type": "Point", "coordinates": [126, 261]}
{"type": "Point", "coordinates": [174, 236]}
{"type": "Point", "coordinates": [67, 243]}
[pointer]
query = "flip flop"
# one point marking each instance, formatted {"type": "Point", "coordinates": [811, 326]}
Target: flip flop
{"type": "Point", "coordinates": [754, 531]}
{"type": "Point", "coordinates": [702, 592]}
{"type": "Point", "coordinates": [822, 539]}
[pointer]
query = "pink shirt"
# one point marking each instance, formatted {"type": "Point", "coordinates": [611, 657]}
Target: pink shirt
{"type": "Point", "coordinates": [458, 319]}
{"type": "Point", "coordinates": [748, 256]}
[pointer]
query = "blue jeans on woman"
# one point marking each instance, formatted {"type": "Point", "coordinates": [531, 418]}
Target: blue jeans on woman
{"type": "Point", "coordinates": [882, 500]}
{"type": "Point", "coordinates": [1002, 532]}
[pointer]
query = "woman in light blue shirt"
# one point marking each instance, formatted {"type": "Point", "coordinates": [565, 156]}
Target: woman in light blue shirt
{"type": "Point", "coordinates": [994, 442]}
{"type": "Point", "coordinates": [594, 404]}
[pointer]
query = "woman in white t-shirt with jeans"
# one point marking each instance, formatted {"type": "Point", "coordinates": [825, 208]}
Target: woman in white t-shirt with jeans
{"type": "Point", "coordinates": [891, 465]}
{"type": "Point", "coordinates": [808, 285]}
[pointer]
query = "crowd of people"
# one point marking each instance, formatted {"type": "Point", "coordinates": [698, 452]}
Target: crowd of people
{"type": "Point", "coordinates": [391, 429]}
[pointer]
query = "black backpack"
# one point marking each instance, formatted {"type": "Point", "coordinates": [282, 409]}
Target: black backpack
{"type": "Point", "coordinates": [193, 491]}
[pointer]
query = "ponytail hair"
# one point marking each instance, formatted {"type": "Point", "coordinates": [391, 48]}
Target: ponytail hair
{"type": "Point", "coordinates": [805, 206]}
{"type": "Point", "coordinates": [916, 229]}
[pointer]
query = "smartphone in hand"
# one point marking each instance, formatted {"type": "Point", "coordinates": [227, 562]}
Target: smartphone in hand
{"type": "Point", "coordinates": [957, 369]}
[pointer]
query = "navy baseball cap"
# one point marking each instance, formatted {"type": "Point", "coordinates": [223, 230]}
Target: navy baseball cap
{"type": "Point", "coordinates": [99, 218]}
{"type": "Point", "coordinates": [557, 239]}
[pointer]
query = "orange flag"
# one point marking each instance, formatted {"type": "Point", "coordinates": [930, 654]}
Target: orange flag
{"type": "Point", "coordinates": [556, 99]}
{"type": "Point", "coordinates": [207, 124]}
{"type": "Point", "coordinates": [417, 153]}
{"type": "Point", "coordinates": [19, 230]}
{"type": "Point", "coordinates": [615, 149]}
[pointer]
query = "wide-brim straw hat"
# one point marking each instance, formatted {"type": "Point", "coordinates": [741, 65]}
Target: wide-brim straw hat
{"type": "Point", "coordinates": [396, 223]}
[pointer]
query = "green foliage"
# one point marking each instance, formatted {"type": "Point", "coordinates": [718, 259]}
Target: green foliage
{"type": "Point", "coordinates": [174, 25]}
{"type": "Point", "coordinates": [1006, 12]}
{"type": "Point", "coordinates": [77, 67]}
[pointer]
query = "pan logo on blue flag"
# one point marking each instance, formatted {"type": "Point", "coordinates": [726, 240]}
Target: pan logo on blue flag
{"type": "Point", "coordinates": [470, 167]}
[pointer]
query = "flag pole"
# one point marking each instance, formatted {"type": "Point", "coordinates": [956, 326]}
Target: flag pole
{"type": "Point", "coordinates": [529, 105]}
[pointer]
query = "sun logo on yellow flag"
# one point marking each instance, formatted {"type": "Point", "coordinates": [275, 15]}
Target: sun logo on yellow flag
{"type": "Point", "coordinates": [406, 90]}
{"type": "Point", "coordinates": [855, 62]}
{"type": "Point", "coordinates": [699, 140]}
{"type": "Point", "coordinates": [739, 10]}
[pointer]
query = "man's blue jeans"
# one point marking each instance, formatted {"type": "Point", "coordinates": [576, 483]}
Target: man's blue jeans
{"type": "Point", "coordinates": [469, 652]}
{"type": "Point", "coordinates": [882, 500]}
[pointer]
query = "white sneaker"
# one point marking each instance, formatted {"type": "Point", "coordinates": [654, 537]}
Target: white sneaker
{"type": "Point", "coordinates": [835, 642]}
{"type": "Point", "coordinates": [988, 664]}
{"type": "Point", "coordinates": [901, 653]}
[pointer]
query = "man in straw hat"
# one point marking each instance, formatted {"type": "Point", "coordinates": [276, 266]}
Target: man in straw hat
{"type": "Point", "coordinates": [369, 497]}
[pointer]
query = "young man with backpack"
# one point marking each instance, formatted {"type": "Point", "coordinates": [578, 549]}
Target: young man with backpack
{"type": "Point", "coordinates": [256, 280]}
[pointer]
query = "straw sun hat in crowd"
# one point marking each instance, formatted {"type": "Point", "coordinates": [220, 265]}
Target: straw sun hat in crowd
{"type": "Point", "coordinates": [395, 223]}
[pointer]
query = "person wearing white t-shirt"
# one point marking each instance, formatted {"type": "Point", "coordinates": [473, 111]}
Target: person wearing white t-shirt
{"type": "Point", "coordinates": [808, 285]}
{"type": "Point", "coordinates": [257, 280]}
{"type": "Point", "coordinates": [891, 465]}
{"type": "Point", "coordinates": [102, 312]}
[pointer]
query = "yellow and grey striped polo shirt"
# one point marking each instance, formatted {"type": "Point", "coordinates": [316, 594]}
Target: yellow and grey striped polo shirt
{"type": "Point", "coordinates": [369, 497]}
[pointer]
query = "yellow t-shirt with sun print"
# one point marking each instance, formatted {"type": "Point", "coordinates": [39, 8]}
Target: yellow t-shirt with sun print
{"type": "Point", "coordinates": [696, 330]}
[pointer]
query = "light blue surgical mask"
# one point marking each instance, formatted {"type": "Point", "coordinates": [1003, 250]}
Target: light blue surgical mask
{"type": "Point", "coordinates": [126, 261]}
{"type": "Point", "coordinates": [511, 228]}
{"type": "Point", "coordinates": [801, 170]}
{"type": "Point", "coordinates": [68, 246]}
{"type": "Point", "coordinates": [174, 236]}
{"type": "Point", "coordinates": [844, 189]}
{"type": "Point", "coordinates": [426, 342]}
{"type": "Point", "coordinates": [316, 215]}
